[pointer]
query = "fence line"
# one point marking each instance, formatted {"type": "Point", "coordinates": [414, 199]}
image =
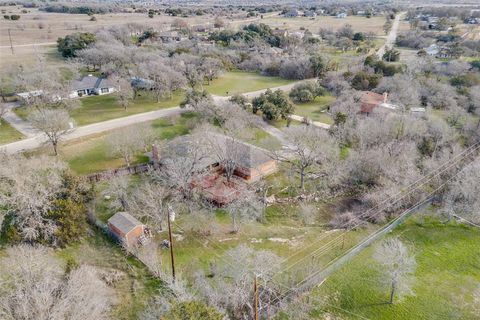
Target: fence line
{"type": "Point", "coordinates": [124, 171]}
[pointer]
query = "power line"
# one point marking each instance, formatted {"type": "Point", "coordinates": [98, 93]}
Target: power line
{"type": "Point", "coordinates": [367, 241]}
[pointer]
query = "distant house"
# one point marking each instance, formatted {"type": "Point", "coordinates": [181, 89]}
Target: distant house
{"type": "Point", "coordinates": [91, 85]}
{"type": "Point", "coordinates": [291, 13]}
{"type": "Point", "coordinates": [310, 14]}
{"type": "Point", "coordinates": [128, 230]}
{"type": "Point", "coordinates": [472, 20]}
{"type": "Point", "coordinates": [342, 15]}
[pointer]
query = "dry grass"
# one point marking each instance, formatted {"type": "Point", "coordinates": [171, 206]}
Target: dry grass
{"type": "Point", "coordinates": [359, 24]}
{"type": "Point", "coordinates": [43, 29]}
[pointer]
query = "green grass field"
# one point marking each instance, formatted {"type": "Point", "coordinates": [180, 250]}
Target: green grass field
{"type": "Point", "coordinates": [315, 110]}
{"type": "Point", "coordinates": [8, 133]}
{"type": "Point", "coordinates": [89, 155]}
{"type": "Point", "coordinates": [101, 108]}
{"type": "Point", "coordinates": [241, 82]}
{"type": "Point", "coordinates": [448, 271]}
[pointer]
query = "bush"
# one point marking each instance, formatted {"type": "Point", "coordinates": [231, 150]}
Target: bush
{"type": "Point", "coordinates": [305, 92]}
{"type": "Point", "coordinates": [69, 45]}
{"type": "Point", "coordinates": [365, 81]}
{"type": "Point", "coordinates": [14, 17]}
{"type": "Point", "coordinates": [391, 55]}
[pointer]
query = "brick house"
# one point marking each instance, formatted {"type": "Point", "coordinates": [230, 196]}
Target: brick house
{"type": "Point", "coordinates": [127, 230]}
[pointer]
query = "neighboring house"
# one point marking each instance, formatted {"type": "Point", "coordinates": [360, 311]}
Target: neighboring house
{"type": "Point", "coordinates": [128, 230]}
{"type": "Point", "coordinates": [310, 14]}
{"type": "Point", "coordinates": [472, 20]}
{"type": "Point", "coordinates": [342, 15]}
{"type": "Point", "coordinates": [91, 85]}
{"type": "Point", "coordinates": [361, 13]}
{"type": "Point", "coordinates": [371, 100]}
{"type": "Point", "coordinates": [291, 13]}
{"type": "Point", "coordinates": [29, 94]}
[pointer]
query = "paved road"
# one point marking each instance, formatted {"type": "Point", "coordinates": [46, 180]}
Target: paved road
{"type": "Point", "coordinates": [36, 140]}
{"type": "Point", "coordinates": [392, 36]}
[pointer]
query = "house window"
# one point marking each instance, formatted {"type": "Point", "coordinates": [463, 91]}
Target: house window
{"type": "Point", "coordinates": [81, 92]}
{"type": "Point", "coordinates": [104, 90]}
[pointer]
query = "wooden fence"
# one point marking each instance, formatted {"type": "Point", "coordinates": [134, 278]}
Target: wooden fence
{"type": "Point", "coordinates": [125, 171]}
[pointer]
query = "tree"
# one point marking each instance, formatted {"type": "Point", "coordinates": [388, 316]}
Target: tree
{"type": "Point", "coordinates": [391, 55]}
{"type": "Point", "coordinates": [398, 265]}
{"type": "Point", "coordinates": [126, 143]}
{"type": "Point", "coordinates": [242, 101]}
{"type": "Point", "coordinates": [190, 67]}
{"type": "Point", "coordinates": [148, 202]}
{"type": "Point", "coordinates": [346, 32]}
{"type": "Point", "coordinates": [70, 44]}
{"type": "Point", "coordinates": [35, 286]}
{"type": "Point", "coordinates": [274, 105]}
{"type": "Point", "coordinates": [211, 68]}
{"type": "Point", "coordinates": [124, 93]}
{"type": "Point", "coordinates": [306, 91]}
{"type": "Point", "coordinates": [195, 99]}
{"type": "Point", "coordinates": [42, 201]}
{"type": "Point", "coordinates": [54, 123]}
{"type": "Point", "coordinates": [245, 207]}
{"type": "Point", "coordinates": [309, 147]}
{"type": "Point", "coordinates": [164, 79]}
{"type": "Point", "coordinates": [231, 289]}
{"type": "Point", "coordinates": [462, 198]}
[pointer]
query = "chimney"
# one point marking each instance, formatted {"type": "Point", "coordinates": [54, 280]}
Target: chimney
{"type": "Point", "coordinates": [155, 153]}
{"type": "Point", "coordinates": [385, 97]}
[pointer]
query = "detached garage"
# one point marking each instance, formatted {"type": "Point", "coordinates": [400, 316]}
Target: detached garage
{"type": "Point", "coordinates": [128, 230]}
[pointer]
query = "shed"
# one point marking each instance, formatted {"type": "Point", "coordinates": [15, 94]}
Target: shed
{"type": "Point", "coordinates": [127, 229]}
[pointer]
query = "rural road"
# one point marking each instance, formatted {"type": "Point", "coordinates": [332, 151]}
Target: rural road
{"type": "Point", "coordinates": [35, 140]}
{"type": "Point", "coordinates": [392, 36]}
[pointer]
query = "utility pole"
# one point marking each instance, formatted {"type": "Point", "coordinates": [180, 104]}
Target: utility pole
{"type": "Point", "coordinates": [255, 292]}
{"type": "Point", "coordinates": [171, 243]}
{"type": "Point", "coordinates": [10, 37]}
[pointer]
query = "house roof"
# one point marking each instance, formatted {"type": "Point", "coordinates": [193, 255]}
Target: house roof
{"type": "Point", "coordinates": [370, 100]}
{"type": "Point", "coordinates": [249, 156]}
{"type": "Point", "coordinates": [91, 82]}
{"type": "Point", "coordinates": [124, 222]}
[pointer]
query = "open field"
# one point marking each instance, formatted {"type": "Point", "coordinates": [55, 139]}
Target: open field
{"type": "Point", "coordinates": [233, 82]}
{"type": "Point", "coordinates": [447, 273]}
{"type": "Point", "coordinates": [315, 110]}
{"type": "Point", "coordinates": [359, 24]}
{"type": "Point", "coordinates": [8, 133]}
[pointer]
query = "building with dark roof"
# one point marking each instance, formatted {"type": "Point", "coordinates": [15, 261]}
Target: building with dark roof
{"type": "Point", "coordinates": [126, 229]}
{"type": "Point", "coordinates": [91, 85]}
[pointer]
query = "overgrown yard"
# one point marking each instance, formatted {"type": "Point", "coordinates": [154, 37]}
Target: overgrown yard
{"type": "Point", "coordinates": [8, 133]}
{"type": "Point", "coordinates": [241, 82]}
{"type": "Point", "coordinates": [448, 271]}
{"type": "Point", "coordinates": [316, 110]}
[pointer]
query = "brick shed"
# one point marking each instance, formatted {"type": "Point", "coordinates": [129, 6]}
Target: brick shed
{"type": "Point", "coordinates": [127, 229]}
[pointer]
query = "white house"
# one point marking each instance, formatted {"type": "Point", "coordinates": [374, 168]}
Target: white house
{"type": "Point", "coordinates": [342, 15]}
{"type": "Point", "coordinates": [432, 50]}
{"type": "Point", "coordinates": [91, 85]}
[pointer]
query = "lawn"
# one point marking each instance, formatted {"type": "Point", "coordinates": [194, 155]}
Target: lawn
{"type": "Point", "coordinates": [101, 108]}
{"type": "Point", "coordinates": [315, 110]}
{"type": "Point", "coordinates": [91, 154]}
{"type": "Point", "coordinates": [448, 271]}
{"type": "Point", "coordinates": [240, 82]}
{"type": "Point", "coordinates": [8, 133]}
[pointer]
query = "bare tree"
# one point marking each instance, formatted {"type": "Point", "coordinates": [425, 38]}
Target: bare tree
{"type": "Point", "coordinates": [148, 203]}
{"type": "Point", "coordinates": [117, 193]}
{"type": "Point", "coordinates": [462, 198]}
{"type": "Point", "coordinates": [398, 265]}
{"type": "Point", "coordinates": [124, 93]}
{"type": "Point", "coordinates": [54, 123]}
{"type": "Point", "coordinates": [34, 286]}
{"type": "Point", "coordinates": [232, 288]}
{"type": "Point", "coordinates": [308, 147]}
{"type": "Point", "coordinates": [245, 207]}
{"type": "Point", "coordinates": [211, 68]}
{"type": "Point", "coordinates": [126, 143]}
{"type": "Point", "coordinates": [27, 187]}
